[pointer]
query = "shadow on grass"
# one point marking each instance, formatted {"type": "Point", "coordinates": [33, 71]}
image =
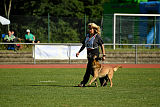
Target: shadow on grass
{"type": "Point", "coordinates": [42, 85]}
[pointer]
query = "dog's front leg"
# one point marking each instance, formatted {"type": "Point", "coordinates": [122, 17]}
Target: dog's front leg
{"type": "Point", "coordinates": [92, 80]}
{"type": "Point", "coordinates": [94, 77]}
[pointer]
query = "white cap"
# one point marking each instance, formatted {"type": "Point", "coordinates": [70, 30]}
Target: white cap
{"type": "Point", "coordinates": [27, 30]}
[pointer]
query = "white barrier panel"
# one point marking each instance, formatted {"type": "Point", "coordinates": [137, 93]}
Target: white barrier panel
{"type": "Point", "coordinates": [58, 52]}
{"type": "Point", "coordinates": [75, 49]}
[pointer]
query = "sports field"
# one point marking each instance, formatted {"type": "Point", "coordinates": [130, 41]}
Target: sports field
{"type": "Point", "coordinates": [56, 87]}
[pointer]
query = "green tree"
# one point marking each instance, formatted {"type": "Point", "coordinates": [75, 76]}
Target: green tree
{"type": "Point", "coordinates": [69, 14]}
{"type": "Point", "coordinates": [63, 32]}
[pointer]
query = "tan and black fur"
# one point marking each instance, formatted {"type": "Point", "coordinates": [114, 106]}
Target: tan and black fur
{"type": "Point", "coordinates": [102, 71]}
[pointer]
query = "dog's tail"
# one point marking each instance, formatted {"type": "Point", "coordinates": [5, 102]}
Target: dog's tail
{"type": "Point", "coordinates": [116, 68]}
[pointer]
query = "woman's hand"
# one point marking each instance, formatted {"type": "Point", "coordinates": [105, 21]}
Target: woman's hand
{"type": "Point", "coordinates": [77, 54]}
{"type": "Point", "coordinates": [104, 57]}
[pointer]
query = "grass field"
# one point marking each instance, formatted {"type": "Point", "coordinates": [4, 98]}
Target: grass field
{"type": "Point", "coordinates": [55, 87]}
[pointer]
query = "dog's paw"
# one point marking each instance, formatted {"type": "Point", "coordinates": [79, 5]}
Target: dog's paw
{"type": "Point", "coordinates": [89, 84]}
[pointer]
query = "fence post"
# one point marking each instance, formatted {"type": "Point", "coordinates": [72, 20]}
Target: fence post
{"type": "Point", "coordinates": [85, 24]}
{"type": "Point", "coordinates": [48, 29]}
{"type": "Point", "coordinates": [69, 47]}
{"type": "Point", "coordinates": [34, 55]}
{"type": "Point", "coordinates": [136, 54]}
{"type": "Point", "coordinates": [155, 29]}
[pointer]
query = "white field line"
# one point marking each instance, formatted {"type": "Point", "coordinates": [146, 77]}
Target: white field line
{"type": "Point", "coordinates": [47, 81]}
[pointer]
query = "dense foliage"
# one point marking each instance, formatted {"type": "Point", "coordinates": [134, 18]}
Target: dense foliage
{"type": "Point", "coordinates": [66, 18]}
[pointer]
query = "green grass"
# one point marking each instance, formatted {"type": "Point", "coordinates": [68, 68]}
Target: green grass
{"type": "Point", "coordinates": [56, 88]}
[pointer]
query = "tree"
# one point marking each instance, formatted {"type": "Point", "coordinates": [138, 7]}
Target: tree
{"type": "Point", "coordinates": [69, 16]}
{"type": "Point", "coordinates": [7, 9]}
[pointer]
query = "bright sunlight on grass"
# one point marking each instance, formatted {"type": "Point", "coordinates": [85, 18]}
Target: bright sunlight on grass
{"type": "Point", "coordinates": [57, 88]}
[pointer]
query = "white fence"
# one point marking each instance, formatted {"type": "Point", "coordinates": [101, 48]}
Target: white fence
{"type": "Point", "coordinates": [60, 52]}
{"type": "Point", "coordinates": [124, 53]}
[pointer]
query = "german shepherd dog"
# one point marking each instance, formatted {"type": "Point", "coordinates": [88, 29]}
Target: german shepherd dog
{"type": "Point", "coordinates": [102, 71]}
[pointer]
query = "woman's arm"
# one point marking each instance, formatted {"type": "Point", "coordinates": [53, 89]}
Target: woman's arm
{"type": "Point", "coordinates": [103, 51]}
{"type": "Point", "coordinates": [81, 49]}
{"type": "Point", "coordinates": [101, 44]}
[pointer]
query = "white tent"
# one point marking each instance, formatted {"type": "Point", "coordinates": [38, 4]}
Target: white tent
{"type": "Point", "coordinates": [4, 21]}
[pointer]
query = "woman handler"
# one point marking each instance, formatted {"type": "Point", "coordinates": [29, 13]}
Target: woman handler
{"type": "Point", "coordinates": [92, 43]}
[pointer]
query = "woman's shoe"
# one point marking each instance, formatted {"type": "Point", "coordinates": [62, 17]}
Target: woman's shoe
{"type": "Point", "coordinates": [81, 85]}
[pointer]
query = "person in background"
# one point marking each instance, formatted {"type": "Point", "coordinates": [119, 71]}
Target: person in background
{"type": "Point", "coordinates": [16, 46]}
{"type": "Point", "coordinates": [92, 42]}
{"type": "Point", "coordinates": [16, 38]}
{"type": "Point", "coordinates": [30, 38]}
{"type": "Point", "coordinates": [10, 39]}
{"type": "Point", "coordinates": [12, 32]}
